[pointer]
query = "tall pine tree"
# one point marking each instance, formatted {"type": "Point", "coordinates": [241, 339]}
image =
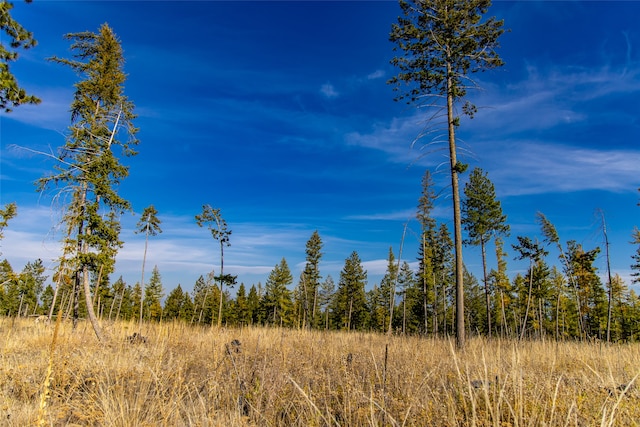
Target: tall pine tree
{"type": "Point", "coordinates": [483, 219]}
{"type": "Point", "coordinates": [277, 297]}
{"type": "Point", "coordinates": [441, 42]}
{"type": "Point", "coordinates": [89, 167]}
{"type": "Point", "coordinates": [349, 301]}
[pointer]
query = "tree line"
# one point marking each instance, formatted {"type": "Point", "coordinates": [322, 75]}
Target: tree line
{"type": "Point", "coordinates": [558, 299]}
{"type": "Point", "coordinates": [441, 43]}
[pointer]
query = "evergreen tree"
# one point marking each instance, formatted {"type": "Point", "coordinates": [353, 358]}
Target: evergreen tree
{"type": "Point", "coordinates": [502, 285]}
{"type": "Point", "coordinates": [117, 290]}
{"type": "Point", "coordinates": [130, 304]}
{"type": "Point", "coordinates": [551, 237]}
{"type": "Point", "coordinates": [619, 313]}
{"type": "Point", "coordinates": [386, 297]}
{"type": "Point", "coordinates": [406, 283]}
{"type": "Point", "coordinates": [8, 288]}
{"type": "Point", "coordinates": [636, 257]}
{"type": "Point", "coordinates": [444, 276]}
{"type": "Point", "coordinates": [310, 280]}
{"type": "Point", "coordinates": [300, 307]}
{"type": "Point", "coordinates": [132, 310]}
{"type": "Point", "coordinates": [349, 307]}
{"type": "Point", "coordinates": [483, 219]}
{"type": "Point", "coordinates": [325, 296]}
{"type": "Point", "coordinates": [153, 293]}
{"type": "Point", "coordinates": [9, 212]}
{"type": "Point", "coordinates": [216, 224]}
{"type": "Point", "coordinates": [378, 312]}
{"type": "Point", "coordinates": [89, 166]}
{"type": "Point", "coordinates": [474, 314]}
{"type": "Point", "coordinates": [173, 304]}
{"type": "Point", "coordinates": [149, 224]}
{"type": "Point", "coordinates": [591, 292]}
{"type": "Point", "coordinates": [442, 42]}
{"type": "Point", "coordinates": [253, 306]}
{"type": "Point", "coordinates": [243, 311]}
{"type": "Point", "coordinates": [30, 285]}
{"type": "Point", "coordinates": [187, 308]}
{"type": "Point", "coordinates": [47, 300]}
{"type": "Point", "coordinates": [533, 251]}
{"type": "Point", "coordinates": [11, 94]}
{"type": "Point", "coordinates": [201, 294]}
{"type": "Point", "coordinates": [426, 255]}
{"type": "Point", "coordinates": [557, 289]}
{"type": "Point", "coordinates": [277, 297]}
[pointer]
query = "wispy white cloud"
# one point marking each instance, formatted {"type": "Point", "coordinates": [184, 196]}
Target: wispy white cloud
{"type": "Point", "coordinates": [402, 216]}
{"type": "Point", "coordinates": [554, 96]}
{"type": "Point", "coordinates": [402, 139]}
{"type": "Point", "coordinates": [522, 137]}
{"type": "Point", "coordinates": [535, 167]}
{"type": "Point", "coordinates": [386, 216]}
{"type": "Point", "coordinates": [184, 251]}
{"type": "Point", "coordinates": [378, 74]}
{"type": "Point", "coordinates": [52, 113]}
{"type": "Point", "coordinates": [329, 91]}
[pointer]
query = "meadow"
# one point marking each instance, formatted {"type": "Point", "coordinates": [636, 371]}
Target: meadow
{"type": "Point", "coordinates": [180, 375]}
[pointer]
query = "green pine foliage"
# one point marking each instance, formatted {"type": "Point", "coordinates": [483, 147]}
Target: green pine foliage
{"type": "Point", "coordinates": [310, 281]}
{"type": "Point", "coordinates": [277, 302]}
{"type": "Point", "coordinates": [11, 94]}
{"type": "Point", "coordinates": [89, 165]}
{"type": "Point", "coordinates": [349, 309]}
{"type": "Point", "coordinates": [440, 43]}
{"type": "Point", "coordinates": [153, 293]}
{"type": "Point", "coordinates": [483, 219]}
{"type": "Point", "coordinates": [217, 226]}
{"type": "Point", "coordinates": [7, 213]}
{"type": "Point", "coordinates": [173, 304]}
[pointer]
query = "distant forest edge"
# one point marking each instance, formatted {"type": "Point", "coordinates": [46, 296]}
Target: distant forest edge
{"type": "Point", "coordinates": [568, 302]}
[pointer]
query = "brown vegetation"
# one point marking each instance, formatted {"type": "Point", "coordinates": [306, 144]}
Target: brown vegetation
{"type": "Point", "coordinates": [192, 376]}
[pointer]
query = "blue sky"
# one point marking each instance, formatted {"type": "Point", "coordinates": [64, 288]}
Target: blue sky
{"type": "Point", "coordinates": [278, 114]}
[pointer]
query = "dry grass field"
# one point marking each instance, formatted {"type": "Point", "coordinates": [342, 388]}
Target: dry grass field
{"type": "Point", "coordinates": [184, 376]}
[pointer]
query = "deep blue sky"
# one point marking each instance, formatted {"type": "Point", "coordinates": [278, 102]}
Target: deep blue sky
{"type": "Point", "coordinates": [278, 114]}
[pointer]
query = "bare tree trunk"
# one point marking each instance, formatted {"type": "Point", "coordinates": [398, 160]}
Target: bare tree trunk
{"type": "Point", "coordinates": [95, 294]}
{"type": "Point", "coordinates": [144, 260]}
{"type": "Point", "coordinates": [609, 302]}
{"type": "Point", "coordinates": [221, 282]}
{"type": "Point", "coordinates": [90, 312]}
{"type": "Point", "coordinates": [435, 306]}
{"type": "Point", "coordinates": [486, 286]}
{"type": "Point", "coordinates": [457, 218]}
{"type": "Point", "coordinates": [55, 291]}
{"type": "Point", "coordinates": [504, 315]}
{"type": "Point", "coordinates": [315, 303]}
{"type": "Point", "coordinates": [85, 276]}
{"type": "Point", "coordinates": [425, 302]}
{"type": "Point", "coordinates": [305, 301]}
{"type": "Point", "coordinates": [20, 306]}
{"type": "Point", "coordinates": [392, 296]}
{"type": "Point", "coordinates": [113, 303]}
{"type": "Point", "coordinates": [76, 299]}
{"type": "Point", "coordinates": [526, 313]}
{"type": "Point", "coordinates": [558, 316]}
{"type": "Point", "coordinates": [120, 302]}
{"type": "Point", "coordinates": [404, 311]}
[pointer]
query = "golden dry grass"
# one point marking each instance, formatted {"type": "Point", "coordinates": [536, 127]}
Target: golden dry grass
{"type": "Point", "coordinates": [185, 376]}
